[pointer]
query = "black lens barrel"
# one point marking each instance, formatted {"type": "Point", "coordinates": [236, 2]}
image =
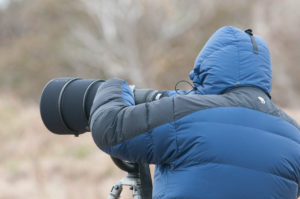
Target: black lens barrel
{"type": "Point", "coordinates": [66, 102]}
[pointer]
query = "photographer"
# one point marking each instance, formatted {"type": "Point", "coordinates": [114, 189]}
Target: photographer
{"type": "Point", "coordinates": [223, 140]}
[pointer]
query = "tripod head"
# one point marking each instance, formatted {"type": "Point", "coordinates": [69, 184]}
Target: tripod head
{"type": "Point", "coordinates": [138, 179]}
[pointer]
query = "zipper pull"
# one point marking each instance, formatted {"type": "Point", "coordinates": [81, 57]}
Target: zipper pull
{"type": "Point", "coordinates": [255, 48]}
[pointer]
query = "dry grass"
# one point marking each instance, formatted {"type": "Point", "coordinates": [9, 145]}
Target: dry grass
{"type": "Point", "coordinates": [36, 164]}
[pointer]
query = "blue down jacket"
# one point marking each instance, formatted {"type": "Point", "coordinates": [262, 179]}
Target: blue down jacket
{"type": "Point", "coordinates": [226, 140]}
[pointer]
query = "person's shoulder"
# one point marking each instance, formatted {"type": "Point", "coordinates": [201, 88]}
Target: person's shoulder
{"type": "Point", "coordinates": [255, 98]}
{"type": "Point", "coordinates": [283, 115]}
{"type": "Point", "coordinates": [247, 97]}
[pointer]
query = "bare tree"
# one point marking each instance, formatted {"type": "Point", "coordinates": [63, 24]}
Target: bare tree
{"type": "Point", "coordinates": [129, 35]}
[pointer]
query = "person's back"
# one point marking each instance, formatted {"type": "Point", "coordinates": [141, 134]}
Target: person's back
{"type": "Point", "coordinates": [226, 140]}
{"type": "Point", "coordinates": [233, 146]}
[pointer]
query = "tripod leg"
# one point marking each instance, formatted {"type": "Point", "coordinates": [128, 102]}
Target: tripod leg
{"type": "Point", "coordinates": [115, 191]}
{"type": "Point", "coordinates": [136, 192]}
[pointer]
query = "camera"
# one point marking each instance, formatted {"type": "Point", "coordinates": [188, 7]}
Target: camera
{"type": "Point", "coordinates": [66, 103]}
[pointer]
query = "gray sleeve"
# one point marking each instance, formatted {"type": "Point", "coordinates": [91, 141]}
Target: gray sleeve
{"type": "Point", "coordinates": [115, 118]}
{"type": "Point", "coordinates": [113, 122]}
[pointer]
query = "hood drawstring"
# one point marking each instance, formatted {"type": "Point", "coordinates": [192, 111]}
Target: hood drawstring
{"type": "Point", "coordinates": [255, 48]}
{"type": "Point", "coordinates": [186, 93]}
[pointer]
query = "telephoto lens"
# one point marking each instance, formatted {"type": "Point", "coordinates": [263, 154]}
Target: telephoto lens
{"type": "Point", "coordinates": [65, 104]}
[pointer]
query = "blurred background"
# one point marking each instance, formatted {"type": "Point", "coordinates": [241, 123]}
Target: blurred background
{"type": "Point", "coordinates": [149, 43]}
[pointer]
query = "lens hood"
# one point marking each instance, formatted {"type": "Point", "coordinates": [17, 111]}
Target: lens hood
{"type": "Point", "coordinates": [65, 104]}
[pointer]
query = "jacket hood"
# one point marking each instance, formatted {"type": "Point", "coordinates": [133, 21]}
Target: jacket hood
{"type": "Point", "coordinates": [229, 60]}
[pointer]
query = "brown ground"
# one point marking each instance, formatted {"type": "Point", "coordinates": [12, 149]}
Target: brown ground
{"type": "Point", "coordinates": [37, 164]}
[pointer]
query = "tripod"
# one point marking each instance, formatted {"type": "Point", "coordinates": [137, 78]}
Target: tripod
{"type": "Point", "coordinates": [138, 179]}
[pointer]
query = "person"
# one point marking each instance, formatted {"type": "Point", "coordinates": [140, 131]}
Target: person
{"type": "Point", "coordinates": [223, 140]}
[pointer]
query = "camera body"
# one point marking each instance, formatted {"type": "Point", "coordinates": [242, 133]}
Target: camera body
{"type": "Point", "coordinates": [66, 103]}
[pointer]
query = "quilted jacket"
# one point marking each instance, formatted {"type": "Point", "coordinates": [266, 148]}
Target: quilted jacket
{"type": "Point", "coordinates": [224, 140]}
